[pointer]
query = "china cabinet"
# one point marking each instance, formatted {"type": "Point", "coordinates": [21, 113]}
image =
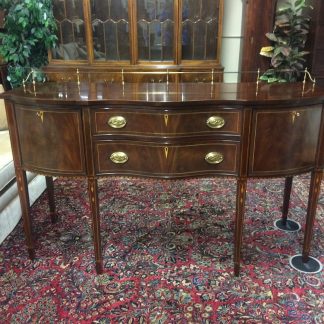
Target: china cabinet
{"type": "Point", "coordinates": [138, 36]}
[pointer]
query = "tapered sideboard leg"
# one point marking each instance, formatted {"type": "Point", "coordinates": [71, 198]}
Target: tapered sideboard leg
{"type": "Point", "coordinates": [314, 191]}
{"type": "Point", "coordinates": [284, 223]}
{"type": "Point", "coordinates": [286, 200]}
{"type": "Point", "coordinates": [94, 204]}
{"type": "Point", "coordinates": [304, 262]}
{"type": "Point", "coordinates": [25, 209]}
{"type": "Point", "coordinates": [51, 201]}
{"type": "Point", "coordinates": [239, 220]}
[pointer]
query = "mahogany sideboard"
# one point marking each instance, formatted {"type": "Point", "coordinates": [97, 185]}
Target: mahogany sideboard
{"type": "Point", "coordinates": [169, 131]}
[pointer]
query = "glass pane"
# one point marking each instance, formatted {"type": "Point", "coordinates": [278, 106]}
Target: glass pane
{"type": "Point", "coordinates": [211, 30]}
{"type": "Point", "coordinates": [71, 31]}
{"type": "Point", "coordinates": [199, 40]}
{"type": "Point", "coordinates": [110, 27]}
{"type": "Point", "coordinates": [155, 23]}
{"type": "Point", "coordinates": [167, 40]}
{"type": "Point", "coordinates": [200, 29]}
{"type": "Point", "coordinates": [187, 32]}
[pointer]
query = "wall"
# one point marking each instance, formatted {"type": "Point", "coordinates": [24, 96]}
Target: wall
{"type": "Point", "coordinates": [232, 38]}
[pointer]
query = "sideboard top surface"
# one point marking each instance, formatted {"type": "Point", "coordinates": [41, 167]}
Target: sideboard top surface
{"type": "Point", "coordinates": [158, 94]}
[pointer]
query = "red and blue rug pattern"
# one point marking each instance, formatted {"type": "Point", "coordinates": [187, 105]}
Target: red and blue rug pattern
{"type": "Point", "coordinates": [168, 256]}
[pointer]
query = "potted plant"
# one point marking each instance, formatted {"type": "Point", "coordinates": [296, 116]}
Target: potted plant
{"type": "Point", "coordinates": [288, 39]}
{"type": "Point", "coordinates": [30, 31]}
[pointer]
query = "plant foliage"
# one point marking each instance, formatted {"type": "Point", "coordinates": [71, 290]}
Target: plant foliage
{"type": "Point", "coordinates": [288, 40]}
{"type": "Point", "coordinates": [30, 30]}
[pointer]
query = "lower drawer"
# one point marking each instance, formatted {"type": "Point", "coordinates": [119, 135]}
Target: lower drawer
{"type": "Point", "coordinates": [151, 159]}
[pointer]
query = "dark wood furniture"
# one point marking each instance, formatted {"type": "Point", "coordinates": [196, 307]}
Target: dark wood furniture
{"type": "Point", "coordinates": [137, 35]}
{"type": "Point", "coordinates": [169, 131]}
{"type": "Point", "coordinates": [255, 25]}
{"type": "Point", "coordinates": [317, 51]}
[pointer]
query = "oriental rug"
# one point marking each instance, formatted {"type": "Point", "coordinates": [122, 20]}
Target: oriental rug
{"type": "Point", "coordinates": [168, 250]}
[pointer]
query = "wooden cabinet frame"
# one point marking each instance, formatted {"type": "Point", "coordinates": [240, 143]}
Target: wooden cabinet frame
{"type": "Point", "coordinates": [92, 65]}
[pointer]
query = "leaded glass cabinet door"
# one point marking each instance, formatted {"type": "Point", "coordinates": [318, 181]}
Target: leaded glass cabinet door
{"type": "Point", "coordinates": [110, 30]}
{"type": "Point", "coordinates": [71, 34]}
{"type": "Point", "coordinates": [155, 30]}
{"type": "Point", "coordinates": [102, 38]}
{"type": "Point", "coordinates": [199, 29]}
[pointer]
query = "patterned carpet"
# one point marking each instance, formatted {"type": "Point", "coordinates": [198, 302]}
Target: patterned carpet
{"type": "Point", "coordinates": [168, 248]}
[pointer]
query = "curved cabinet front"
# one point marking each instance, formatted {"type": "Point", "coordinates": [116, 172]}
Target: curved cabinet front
{"type": "Point", "coordinates": [51, 140]}
{"type": "Point", "coordinates": [167, 161]}
{"type": "Point", "coordinates": [176, 123]}
{"type": "Point", "coordinates": [284, 141]}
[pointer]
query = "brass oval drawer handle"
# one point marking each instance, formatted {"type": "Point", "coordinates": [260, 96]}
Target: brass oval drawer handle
{"type": "Point", "coordinates": [119, 157]}
{"type": "Point", "coordinates": [214, 158]}
{"type": "Point", "coordinates": [215, 122]}
{"type": "Point", "coordinates": [117, 122]}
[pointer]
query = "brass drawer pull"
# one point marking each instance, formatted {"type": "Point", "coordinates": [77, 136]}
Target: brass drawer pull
{"type": "Point", "coordinates": [214, 158]}
{"type": "Point", "coordinates": [119, 157]}
{"type": "Point", "coordinates": [215, 122]}
{"type": "Point", "coordinates": [117, 122]}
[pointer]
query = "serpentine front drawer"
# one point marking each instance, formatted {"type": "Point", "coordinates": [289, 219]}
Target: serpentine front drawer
{"type": "Point", "coordinates": [119, 121]}
{"type": "Point", "coordinates": [171, 161]}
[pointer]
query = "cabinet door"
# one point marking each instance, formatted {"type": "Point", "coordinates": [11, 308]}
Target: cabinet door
{"type": "Point", "coordinates": [51, 140]}
{"type": "Point", "coordinates": [71, 31]}
{"type": "Point", "coordinates": [110, 28]}
{"type": "Point", "coordinates": [199, 25]}
{"type": "Point", "coordinates": [155, 30]}
{"type": "Point", "coordinates": [284, 141]}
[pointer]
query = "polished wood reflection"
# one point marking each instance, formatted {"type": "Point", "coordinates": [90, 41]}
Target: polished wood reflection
{"type": "Point", "coordinates": [167, 131]}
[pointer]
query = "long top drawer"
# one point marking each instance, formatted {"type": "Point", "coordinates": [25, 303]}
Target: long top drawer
{"type": "Point", "coordinates": [133, 122]}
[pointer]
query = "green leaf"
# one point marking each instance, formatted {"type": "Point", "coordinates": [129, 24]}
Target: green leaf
{"type": "Point", "coordinates": [277, 51]}
{"type": "Point", "coordinates": [272, 80]}
{"type": "Point", "coordinates": [285, 50]}
{"type": "Point", "coordinates": [263, 78]}
{"type": "Point", "coordinates": [282, 20]}
{"type": "Point", "coordinates": [303, 53]}
{"type": "Point", "coordinates": [291, 27]}
{"type": "Point", "coordinates": [299, 3]}
{"type": "Point", "coordinates": [30, 32]}
{"type": "Point", "coordinates": [272, 37]}
{"type": "Point", "coordinates": [284, 7]}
